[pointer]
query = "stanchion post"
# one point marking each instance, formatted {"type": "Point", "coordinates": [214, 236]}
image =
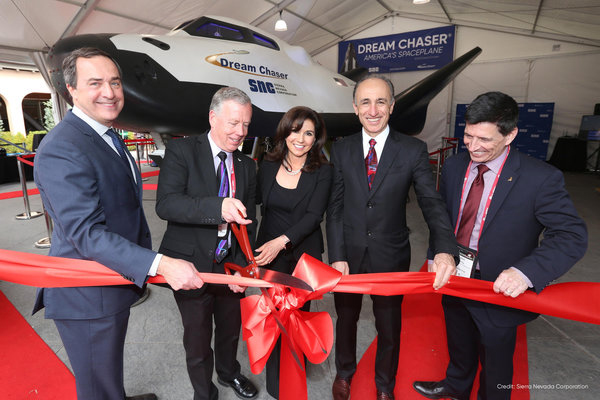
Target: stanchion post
{"type": "Point", "coordinates": [45, 242]}
{"type": "Point", "coordinates": [28, 214]}
{"type": "Point", "coordinates": [146, 151]}
{"type": "Point", "coordinates": [137, 151]}
{"type": "Point", "coordinates": [438, 169]}
{"type": "Point", "coordinates": [254, 154]}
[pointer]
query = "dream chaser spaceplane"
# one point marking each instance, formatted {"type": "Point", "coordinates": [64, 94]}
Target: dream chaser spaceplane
{"type": "Point", "coordinates": [169, 79]}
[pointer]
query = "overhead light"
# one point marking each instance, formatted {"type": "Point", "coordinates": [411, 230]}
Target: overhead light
{"type": "Point", "coordinates": [280, 25]}
{"type": "Point", "coordinates": [420, 1]}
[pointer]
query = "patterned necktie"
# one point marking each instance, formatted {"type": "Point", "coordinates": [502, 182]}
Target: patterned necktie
{"type": "Point", "coordinates": [223, 181]}
{"type": "Point", "coordinates": [118, 144]}
{"type": "Point", "coordinates": [469, 214]}
{"type": "Point", "coordinates": [371, 162]}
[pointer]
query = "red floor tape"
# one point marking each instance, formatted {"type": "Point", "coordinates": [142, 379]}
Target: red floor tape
{"type": "Point", "coordinates": [17, 193]}
{"type": "Point", "coordinates": [424, 355]}
{"type": "Point", "coordinates": [29, 369]}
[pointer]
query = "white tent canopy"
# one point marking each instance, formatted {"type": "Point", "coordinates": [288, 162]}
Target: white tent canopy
{"type": "Point", "coordinates": [316, 25]}
{"type": "Point", "coordinates": [534, 50]}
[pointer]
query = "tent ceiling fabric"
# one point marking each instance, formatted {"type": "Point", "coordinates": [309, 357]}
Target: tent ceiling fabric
{"type": "Point", "coordinates": [316, 25]}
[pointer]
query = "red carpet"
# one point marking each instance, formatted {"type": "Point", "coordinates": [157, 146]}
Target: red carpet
{"type": "Point", "coordinates": [31, 192]}
{"type": "Point", "coordinates": [423, 353]}
{"type": "Point", "coordinates": [29, 369]}
{"type": "Point", "coordinates": [17, 193]}
{"type": "Point", "coordinates": [150, 173]}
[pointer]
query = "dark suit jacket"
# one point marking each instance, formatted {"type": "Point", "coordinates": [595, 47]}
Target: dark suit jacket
{"type": "Point", "coordinates": [359, 219]}
{"type": "Point", "coordinates": [97, 211]}
{"type": "Point", "coordinates": [310, 204]}
{"type": "Point", "coordinates": [187, 198]}
{"type": "Point", "coordinates": [530, 199]}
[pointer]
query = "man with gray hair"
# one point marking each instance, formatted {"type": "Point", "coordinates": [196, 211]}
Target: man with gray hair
{"type": "Point", "coordinates": [205, 183]}
{"type": "Point", "coordinates": [373, 171]}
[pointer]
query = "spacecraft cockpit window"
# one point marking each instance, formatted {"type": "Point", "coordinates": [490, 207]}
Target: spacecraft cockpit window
{"type": "Point", "coordinates": [215, 29]}
{"type": "Point", "coordinates": [264, 41]}
{"type": "Point", "coordinates": [211, 29]}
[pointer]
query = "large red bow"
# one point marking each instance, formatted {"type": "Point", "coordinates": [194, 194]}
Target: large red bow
{"type": "Point", "coordinates": [311, 333]}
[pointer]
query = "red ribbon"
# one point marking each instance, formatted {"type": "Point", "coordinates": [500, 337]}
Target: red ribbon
{"type": "Point", "coordinates": [578, 301]}
{"type": "Point", "coordinates": [46, 271]}
{"type": "Point", "coordinates": [311, 333]}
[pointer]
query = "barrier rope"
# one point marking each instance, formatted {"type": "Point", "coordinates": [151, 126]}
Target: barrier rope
{"type": "Point", "coordinates": [23, 159]}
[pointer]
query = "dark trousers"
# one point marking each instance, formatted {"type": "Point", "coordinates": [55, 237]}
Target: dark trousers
{"type": "Point", "coordinates": [197, 313]}
{"type": "Point", "coordinates": [388, 321]}
{"type": "Point", "coordinates": [473, 338]}
{"type": "Point", "coordinates": [274, 361]}
{"type": "Point", "coordinates": [95, 350]}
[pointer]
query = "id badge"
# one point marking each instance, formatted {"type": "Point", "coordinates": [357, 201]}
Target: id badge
{"type": "Point", "coordinates": [468, 261]}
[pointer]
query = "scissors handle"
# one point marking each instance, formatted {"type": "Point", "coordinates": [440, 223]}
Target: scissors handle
{"type": "Point", "coordinates": [241, 234]}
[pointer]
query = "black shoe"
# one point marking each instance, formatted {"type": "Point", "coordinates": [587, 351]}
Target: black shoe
{"type": "Point", "coordinates": [384, 396]}
{"type": "Point", "coordinates": [242, 387]}
{"type": "Point", "coordinates": [145, 396]}
{"type": "Point", "coordinates": [435, 390]}
{"type": "Point", "coordinates": [340, 389]}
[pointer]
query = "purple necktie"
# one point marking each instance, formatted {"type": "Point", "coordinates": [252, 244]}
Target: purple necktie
{"type": "Point", "coordinates": [469, 214]}
{"type": "Point", "coordinates": [223, 180]}
{"type": "Point", "coordinates": [371, 163]}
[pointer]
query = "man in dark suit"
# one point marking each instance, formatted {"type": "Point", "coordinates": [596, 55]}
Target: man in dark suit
{"type": "Point", "coordinates": [366, 226]}
{"type": "Point", "coordinates": [528, 198]}
{"type": "Point", "coordinates": [93, 192]}
{"type": "Point", "coordinates": [204, 184]}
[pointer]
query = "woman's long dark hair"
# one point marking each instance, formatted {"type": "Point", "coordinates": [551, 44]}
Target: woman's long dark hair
{"type": "Point", "coordinates": [292, 121]}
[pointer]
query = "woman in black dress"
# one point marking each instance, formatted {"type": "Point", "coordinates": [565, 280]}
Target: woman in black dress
{"type": "Point", "coordinates": [293, 186]}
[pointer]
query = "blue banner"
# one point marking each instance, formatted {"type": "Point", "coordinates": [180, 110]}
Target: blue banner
{"type": "Point", "coordinates": [535, 124]}
{"type": "Point", "coordinates": [410, 51]}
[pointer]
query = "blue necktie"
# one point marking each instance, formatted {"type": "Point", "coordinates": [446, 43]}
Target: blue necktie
{"type": "Point", "coordinates": [223, 181]}
{"type": "Point", "coordinates": [118, 144]}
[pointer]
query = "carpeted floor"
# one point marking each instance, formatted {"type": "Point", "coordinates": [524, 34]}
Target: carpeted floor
{"type": "Point", "coordinates": [423, 353]}
{"type": "Point", "coordinates": [29, 369]}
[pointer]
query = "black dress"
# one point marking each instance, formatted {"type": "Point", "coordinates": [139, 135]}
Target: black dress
{"type": "Point", "coordinates": [281, 202]}
{"type": "Point", "coordinates": [279, 220]}
{"type": "Point", "coordinates": [297, 213]}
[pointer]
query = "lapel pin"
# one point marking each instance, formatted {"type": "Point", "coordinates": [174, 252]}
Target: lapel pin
{"type": "Point", "coordinates": [510, 179]}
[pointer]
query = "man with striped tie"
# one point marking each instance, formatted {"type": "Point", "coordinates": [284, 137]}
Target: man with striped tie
{"type": "Point", "coordinates": [500, 201]}
{"type": "Point", "coordinates": [205, 183]}
{"type": "Point", "coordinates": [366, 226]}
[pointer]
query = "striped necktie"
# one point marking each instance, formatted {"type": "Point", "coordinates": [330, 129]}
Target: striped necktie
{"type": "Point", "coordinates": [223, 181]}
{"type": "Point", "coordinates": [469, 214]}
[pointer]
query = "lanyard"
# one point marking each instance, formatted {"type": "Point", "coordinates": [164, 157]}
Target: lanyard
{"type": "Point", "coordinates": [488, 201]}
